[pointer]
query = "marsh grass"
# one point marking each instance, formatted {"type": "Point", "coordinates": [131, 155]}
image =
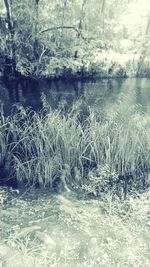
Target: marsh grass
{"type": "Point", "coordinates": [57, 150]}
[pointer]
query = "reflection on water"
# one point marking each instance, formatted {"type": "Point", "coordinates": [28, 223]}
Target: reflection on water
{"type": "Point", "coordinates": [98, 93]}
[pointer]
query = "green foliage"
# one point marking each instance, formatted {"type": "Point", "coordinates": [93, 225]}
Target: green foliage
{"type": "Point", "coordinates": [99, 155]}
{"type": "Point", "coordinates": [71, 42]}
{"type": "Point", "coordinates": [102, 180]}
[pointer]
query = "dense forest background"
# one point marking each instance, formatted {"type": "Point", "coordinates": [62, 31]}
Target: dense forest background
{"type": "Point", "coordinates": [78, 38]}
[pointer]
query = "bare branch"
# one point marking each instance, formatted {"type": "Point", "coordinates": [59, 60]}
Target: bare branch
{"type": "Point", "coordinates": [58, 28]}
{"type": "Point", "coordinates": [78, 31]}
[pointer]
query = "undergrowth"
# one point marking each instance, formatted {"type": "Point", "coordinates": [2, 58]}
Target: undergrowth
{"type": "Point", "coordinates": [62, 231]}
{"type": "Point", "coordinates": [101, 153]}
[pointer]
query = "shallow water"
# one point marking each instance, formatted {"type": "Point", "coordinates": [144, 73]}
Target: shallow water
{"type": "Point", "coordinates": [93, 93]}
{"type": "Point", "coordinates": [65, 230]}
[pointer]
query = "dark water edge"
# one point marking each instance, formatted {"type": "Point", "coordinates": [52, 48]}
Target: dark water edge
{"type": "Point", "coordinates": [28, 91]}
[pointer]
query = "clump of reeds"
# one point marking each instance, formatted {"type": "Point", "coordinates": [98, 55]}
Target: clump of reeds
{"type": "Point", "coordinates": [51, 149]}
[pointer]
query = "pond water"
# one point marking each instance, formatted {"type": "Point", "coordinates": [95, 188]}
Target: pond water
{"type": "Point", "coordinates": [97, 93]}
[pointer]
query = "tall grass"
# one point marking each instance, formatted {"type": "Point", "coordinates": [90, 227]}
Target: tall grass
{"type": "Point", "coordinates": [51, 149]}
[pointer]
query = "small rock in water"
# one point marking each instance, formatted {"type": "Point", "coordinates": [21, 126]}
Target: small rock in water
{"type": "Point", "coordinates": [46, 239]}
{"type": "Point", "coordinates": [16, 191]}
{"type": "Point", "coordinates": [25, 231]}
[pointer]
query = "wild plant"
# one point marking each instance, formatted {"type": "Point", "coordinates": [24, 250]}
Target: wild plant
{"type": "Point", "coordinates": [51, 148]}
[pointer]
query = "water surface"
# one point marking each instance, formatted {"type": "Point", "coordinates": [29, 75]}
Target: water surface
{"type": "Point", "coordinates": [100, 93]}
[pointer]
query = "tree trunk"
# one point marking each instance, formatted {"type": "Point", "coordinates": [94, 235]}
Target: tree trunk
{"type": "Point", "coordinates": [11, 44]}
{"type": "Point", "coordinates": [82, 16]}
{"type": "Point", "coordinates": [102, 14]}
{"type": "Point", "coordinates": [35, 29]}
{"type": "Point", "coordinates": [80, 26]}
{"type": "Point", "coordinates": [63, 20]}
{"type": "Point", "coordinates": [64, 11]}
{"type": "Point", "coordinates": [144, 49]}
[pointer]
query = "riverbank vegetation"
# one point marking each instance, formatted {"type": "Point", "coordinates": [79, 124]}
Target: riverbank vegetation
{"type": "Point", "coordinates": [74, 177]}
{"type": "Point", "coordinates": [79, 39]}
{"type": "Point", "coordinates": [91, 151]}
